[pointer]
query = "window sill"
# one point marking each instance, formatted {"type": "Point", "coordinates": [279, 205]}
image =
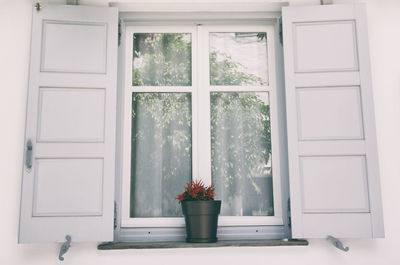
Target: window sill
{"type": "Point", "coordinates": [222, 243]}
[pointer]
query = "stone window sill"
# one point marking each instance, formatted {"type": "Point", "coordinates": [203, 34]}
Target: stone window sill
{"type": "Point", "coordinates": [222, 243]}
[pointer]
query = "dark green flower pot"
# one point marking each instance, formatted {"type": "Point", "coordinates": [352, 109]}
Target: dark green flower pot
{"type": "Point", "coordinates": [201, 218]}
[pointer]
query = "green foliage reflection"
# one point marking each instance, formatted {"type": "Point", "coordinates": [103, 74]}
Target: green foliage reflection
{"type": "Point", "coordinates": [162, 59]}
{"type": "Point", "coordinates": [161, 130]}
{"type": "Point", "coordinates": [240, 152]}
{"type": "Point", "coordinates": [161, 152]}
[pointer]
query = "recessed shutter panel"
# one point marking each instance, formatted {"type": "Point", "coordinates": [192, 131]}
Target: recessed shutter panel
{"type": "Point", "coordinates": [69, 162]}
{"type": "Point", "coordinates": [334, 174]}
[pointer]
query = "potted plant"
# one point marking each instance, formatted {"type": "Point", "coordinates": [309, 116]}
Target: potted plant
{"type": "Point", "coordinates": [201, 212]}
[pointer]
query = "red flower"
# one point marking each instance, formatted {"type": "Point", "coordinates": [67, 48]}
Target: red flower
{"type": "Point", "coordinates": [197, 191]}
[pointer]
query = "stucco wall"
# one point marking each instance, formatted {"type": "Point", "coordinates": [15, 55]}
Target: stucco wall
{"type": "Point", "coordinates": [384, 23]}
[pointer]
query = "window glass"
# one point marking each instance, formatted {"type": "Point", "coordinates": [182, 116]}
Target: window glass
{"type": "Point", "coordinates": [241, 153]}
{"type": "Point", "coordinates": [161, 160]}
{"type": "Point", "coordinates": [238, 58]}
{"type": "Point", "coordinates": [231, 142]}
{"type": "Point", "coordinates": [162, 59]}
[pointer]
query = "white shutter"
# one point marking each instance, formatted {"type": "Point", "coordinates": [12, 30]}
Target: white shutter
{"type": "Point", "coordinates": [71, 116]}
{"type": "Point", "coordinates": [334, 174]}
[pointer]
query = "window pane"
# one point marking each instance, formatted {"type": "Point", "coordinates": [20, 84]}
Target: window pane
{"type": "Point", "coordinates": [238, 59]}
{"type": "Point", "coordinates": [241, 153]}
{"type": "Point", "coordinates": [161, 152]}
{"type": "Point", "coordinates": [162, 59]}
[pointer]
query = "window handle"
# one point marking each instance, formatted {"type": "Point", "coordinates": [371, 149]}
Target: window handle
{"type": "Point", "coordinates": [28, 158]}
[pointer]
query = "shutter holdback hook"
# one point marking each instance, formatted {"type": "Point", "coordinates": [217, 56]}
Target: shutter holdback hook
{"type": "Point", "coordinates": [337, 243]}
{"type": "Point", "coordinates": [64, 248]}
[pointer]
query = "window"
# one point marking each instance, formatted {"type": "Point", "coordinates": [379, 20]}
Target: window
{"type": "Point", "coordinates": [200, 103]}
{"type": "Point", "coordinates": [213, 106]}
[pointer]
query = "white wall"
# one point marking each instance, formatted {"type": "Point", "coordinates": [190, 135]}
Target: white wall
{"type": "Point", "coordinates": [15, 23]}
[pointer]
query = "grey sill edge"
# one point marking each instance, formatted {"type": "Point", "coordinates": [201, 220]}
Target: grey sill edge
{"type": "Point", "coordinates": [222, 243]}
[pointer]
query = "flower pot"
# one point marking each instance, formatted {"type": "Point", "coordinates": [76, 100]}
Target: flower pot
{"type": "Point", "coordinates": [201, 218]}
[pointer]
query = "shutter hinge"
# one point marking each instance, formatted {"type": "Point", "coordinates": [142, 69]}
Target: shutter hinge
{"type": "Point", "coordinates": [38, 7]}
{"type": "Point", "coordinates": [280, 30]}
{"type": "Point", "coordinates": [326, 2]}
{"type": "Point", "coordinates": [119, 32]}
{"type": "Point", "coordinates": [72, 2]}
{"type": "Point", "coordinates": [115, 215]}
{"type": "Point", "coordinates": [289, 216]}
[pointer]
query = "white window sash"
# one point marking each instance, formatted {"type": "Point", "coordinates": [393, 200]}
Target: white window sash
{"type": "Point", "coordinates": [200, 90]}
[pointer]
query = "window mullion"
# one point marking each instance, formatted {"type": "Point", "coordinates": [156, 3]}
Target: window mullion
{"type": "Point", "coordinates": [160, 89]}
{"type": "Point", "coordinates": [204, 133]}
{"type": "Point", "coordinates": [195, 105]}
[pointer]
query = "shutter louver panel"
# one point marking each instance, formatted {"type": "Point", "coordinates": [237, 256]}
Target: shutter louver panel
{"type": "Point", "coordinates": [71, 117]}
{"type": "Point", "coordinates": [334, 174]}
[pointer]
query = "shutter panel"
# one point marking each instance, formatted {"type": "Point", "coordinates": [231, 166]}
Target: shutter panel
{"type": "Point", "coordinates": [334, 174]}
{"type": "Point", "coordinates": [71, 117]}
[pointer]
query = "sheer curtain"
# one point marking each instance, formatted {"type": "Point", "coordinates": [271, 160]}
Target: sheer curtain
{"type": "Point", "coordinates": [161, 152]}
{"type": "Point", "coordinates": [241, 153]}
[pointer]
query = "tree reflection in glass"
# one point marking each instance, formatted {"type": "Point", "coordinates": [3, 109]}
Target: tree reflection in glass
{"type": "Point", "coordinates": [238, 58]}
{"type": "Point", "coordinates": [161, 124]}
{"type": "Point", "coordinates": [162, 59]}
{"type": "Point", "coordinates": [161, 152]}
{"type": "Point", "coordinates": [241, 153]}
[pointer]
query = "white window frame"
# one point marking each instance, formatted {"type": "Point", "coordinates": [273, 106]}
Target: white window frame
{"type": "Point", "coordinates": [204, 117]}
{"type": "Point", "coordinates": [126, 221]}
{"type": "Point", "coordinates": [200, 91]}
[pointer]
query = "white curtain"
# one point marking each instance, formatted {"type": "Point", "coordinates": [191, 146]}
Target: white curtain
{"type": "Point", "coordinates": [241, 153]}
{"type": "Point", "coordinates": [161, 152]}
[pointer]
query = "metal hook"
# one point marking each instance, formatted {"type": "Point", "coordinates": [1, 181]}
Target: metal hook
{"type": "Point", "coordinates": [64, 248]}
{"type": "Point", "coordinates": [337, 243]}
